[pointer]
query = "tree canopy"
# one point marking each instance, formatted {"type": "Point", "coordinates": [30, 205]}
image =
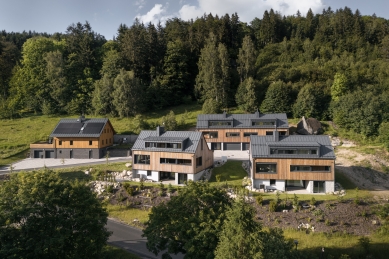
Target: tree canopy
{"type": "Point", "coordinates": [43, 216]}
{"type": "Point", "coordinates": [189, 223]}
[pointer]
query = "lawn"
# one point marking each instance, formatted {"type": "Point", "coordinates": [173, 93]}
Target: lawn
{"type": "Point", "coordinates": [127, 215]}
{"type": "Point", "coordinates": [231, 172]}
{"type": "Point", "coordinates": [17, 134]}
{"type": "Point", "coordinates": [113, 252]}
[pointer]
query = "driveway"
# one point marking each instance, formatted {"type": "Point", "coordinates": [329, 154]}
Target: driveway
{"type": "Point", "coordinates": [130, 239]}
{"type": "Point", "coordinates": [29, 164]}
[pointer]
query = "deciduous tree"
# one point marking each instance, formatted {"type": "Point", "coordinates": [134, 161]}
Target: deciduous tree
{"type": "Point", "coordinates": [43, 216]}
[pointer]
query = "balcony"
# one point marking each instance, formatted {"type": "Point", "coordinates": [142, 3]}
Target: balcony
{"type": "Point", "coordinates": [42, 144]}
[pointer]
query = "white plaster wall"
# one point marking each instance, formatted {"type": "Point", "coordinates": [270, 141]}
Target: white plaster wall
{"type": "Point", "coordinates": [309, 187]}
{"type": "Point", "coordinates": [143, 174]}
{"type": "Point", "coordinates": [176, 178]}
{"type": "Point", "coordinates": [209, 145]}
{"type": "Point", "coordinates": [330, 186]}
{"type": "Point", "coordinates": [280, 185]}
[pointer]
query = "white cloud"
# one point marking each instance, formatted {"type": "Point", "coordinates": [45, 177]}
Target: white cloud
{"type": "Point", "coordinates": [157, 14]}
{"type": "Point", "coordinates": [140, 4]}
{"type": "Point", "coordinates": [249, 9]}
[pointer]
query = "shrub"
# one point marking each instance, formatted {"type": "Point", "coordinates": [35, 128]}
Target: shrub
{"type": "Point", "coordinates": [278, 197]}
{"type": "Point", "coordinates": [218, 178]}
{"type": "Point", "coordinates": [327, 222]}
{"type": "Point", "coordinates": [364, 242]}
{"type": "Point", "coordinates": [170, 188]}
{"type": "Point", "coordinates": [273, 206]}
{"type": "Point", "coordinates": [110, 188]}
{"type": "Point", "coordinates": [318, 212]}
{"type": "Point", "coordinates": [313, 201]}
{"type": "Point", "coordinates": [259, 199]}
{"type": "Point", "coordinates": [129, 189]}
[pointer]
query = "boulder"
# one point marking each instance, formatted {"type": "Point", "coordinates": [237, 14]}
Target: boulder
{"type": "Point", "coordinates": [128, 164]}
{"type": "Point", "coordinates": [309, 126]}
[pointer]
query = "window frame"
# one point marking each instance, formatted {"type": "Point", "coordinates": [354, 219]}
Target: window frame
{"type": "Point", "coordinates": [266, 164]}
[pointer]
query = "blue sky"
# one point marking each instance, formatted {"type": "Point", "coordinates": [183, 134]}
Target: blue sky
{"type": "Point", "coordinates": [105, 16]}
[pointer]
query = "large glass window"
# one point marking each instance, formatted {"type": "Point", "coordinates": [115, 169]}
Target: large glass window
{"type": "Point", "coordinates": [175, 161]}
{"type": "Point", "coordinates": [232, 134]}
{"type": "Point", "coordinates": [285, 151]}
{"type": "Point", "coordinates": [263, 123]}
{"type": "Point", "coordinates": [248, 134]}
{"type": "Point", "coordinates": [199, 161]}
{"type": "Point", "coordinates": [163, 145]}
{"type": "Point", "coordinates": [262, 168]}
{"type": "Point", "coordinates": [142, 159]}
{"type": "Point", "coordinates": [307, 168]}
{"type": "Point", "coordinates": [210, 134]}
{"type": "Point", "coordinates": [220, 123]}
{"type": "Point", "coordinates": [318, 187]}
{"type": "Point", "coordinates": [216, 146]}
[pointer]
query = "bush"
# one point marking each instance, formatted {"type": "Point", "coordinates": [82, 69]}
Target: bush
{"type": "Point", "coordinates": [313, 201]}
{"type": "Point", "coordinates": [129, 189]}
{"type": "Point", "coordinates": [259, 199]}
{"type": "Point", "coordinates": [273, 206]}
{"type": "Point", "coordinates": [110, 188]}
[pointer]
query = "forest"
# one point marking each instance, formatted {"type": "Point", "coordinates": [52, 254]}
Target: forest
{"type": "Point", "coordinates": [330, 66]}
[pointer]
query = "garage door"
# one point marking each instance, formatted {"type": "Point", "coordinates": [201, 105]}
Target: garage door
{"type": "Point", "coordinates": [231, 146]}
{"type": "Point", "coordinates": [245, 146]}
{"type": "Point", "coordinates": [38, 153]}
{"type": "Point", "coordinates": [49, 153]}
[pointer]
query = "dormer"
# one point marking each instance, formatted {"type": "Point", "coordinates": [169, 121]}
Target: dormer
{"type": "Point", "coordinates": [263, 123]}
{"type": "Point", "coordinates": [294, 149]}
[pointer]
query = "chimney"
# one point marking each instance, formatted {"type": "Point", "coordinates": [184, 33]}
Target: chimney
{"type": "Point", "coordinates": [276, 136]}
{"type": "Point", "coordinates": [160, 130]}
{"type": "Point", "coordinates": [257, 113]}
{"type": "Point", "coordinates": [224, 114]}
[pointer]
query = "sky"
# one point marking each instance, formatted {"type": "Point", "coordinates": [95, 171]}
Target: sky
{"type": "Point", "coordinates": [105, 16]}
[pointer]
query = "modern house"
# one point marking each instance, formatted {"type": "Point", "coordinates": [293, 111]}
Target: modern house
{"type": "Point", "coordinates": [76, 138]}
{"type": "Point", "coordinates": [233, 131]}
{"type": "Point", "coordinates": [179, 155]}
{"type": "Point", "coordinates": [290, 162]}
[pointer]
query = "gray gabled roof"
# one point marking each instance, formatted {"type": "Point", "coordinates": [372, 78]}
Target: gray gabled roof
{"type": "Point", "coordinates": [89, 128]}
{"type": "Point", "coordinates": [260, 146]}
{"type": "Point", "coordinates": [243, 120]}
{"type": "Point", "coordinates": [189, 139]}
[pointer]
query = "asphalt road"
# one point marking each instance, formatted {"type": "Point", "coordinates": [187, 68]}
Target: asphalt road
{"type": "Point", "coordinates": [130, 239]}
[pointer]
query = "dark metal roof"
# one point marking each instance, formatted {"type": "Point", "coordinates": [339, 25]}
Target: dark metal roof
{"type": "Point", "coordinates": [90, 128]}
{"type": "Point", "coordinates": [190, 140]}
{"type": "Point", "coordinates": [243, 120]}
{"type": "Point", "coordinates": [260, 146]}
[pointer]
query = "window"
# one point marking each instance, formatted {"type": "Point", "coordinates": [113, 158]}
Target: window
{"type": "Point", "coordinates": [201, 141]}
{"type": "Point", "coordinates": [220, 123]}
{"type": "Point", "coordinates": [142, 159]}
{"type": "Point", "coordinates": [90, 142]}
{"type": "Point", "coordinates": [263, 123]}
{"type": "Point", "coordinates": [163, 145]}
{"type": "Point", "coordinates": [175, 161]}
{"type": "Point", "coordinates": [232, 134]}
{"type": "Point", "coordinates": [60, 142]}
{"type": "Point", "coordinates": [318, 187]}
{"type": "Point", "coordinates": [106, 141]}
{"type": "Point", "coordinates": [199, 161]}
{"type": "Point", "coordinates": [274, 151]}
{"type": "Point", "coordinates": [216, 146]}
{"type": "Point", "coordinates": [71, 142]}
{"type": "Point", "coordinates": [210, 134]}
{"type": "Point", "coordinates": [102, 142]}
{"type": "Point", "coordinates": [272, 182]}
{"type": "Point", "coordinates": [262, 168]}
{"type": "Point", "coordinates": [307, 168]}
{"type": "Point", "coordinates": [110, 140]}
{"type": "Point", "coordinates": [148, 172]}
{"type": "Point", "coordinates": [248, 134]}
{"type": "Point", "coordinates": [282, 133]}
{"type": "Point", "coordinates": [60, 151]}
{"type": "Point", "coordinates": [269, 133]}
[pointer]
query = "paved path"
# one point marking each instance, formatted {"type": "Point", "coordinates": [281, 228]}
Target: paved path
{"type": "Point", "coordinates": [130, 238]}
{"type": "Point", "coordinates": [36, 163]}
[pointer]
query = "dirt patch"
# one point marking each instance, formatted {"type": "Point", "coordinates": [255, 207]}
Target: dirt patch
{"type": "Point", "coordinates": [363, 169]}
{"type": "Point", "coordinates": [329, 217]}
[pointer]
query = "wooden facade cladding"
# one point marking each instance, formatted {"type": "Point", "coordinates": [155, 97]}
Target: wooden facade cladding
{"type": "Point", "coordinates": [222, 134]}
{"type": "Point", "coordinates": [155, 165]}
{"type": "Point", "coordinates": [43, 145]}
{"type": "Point", "coordinates": [77, 142]}
{"type": "Point", "coordinates": [105, 140]}
{"type": "Point", "coordinates": [284, 173]}
{"type": "Point", "coordinates": [106, 137]}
